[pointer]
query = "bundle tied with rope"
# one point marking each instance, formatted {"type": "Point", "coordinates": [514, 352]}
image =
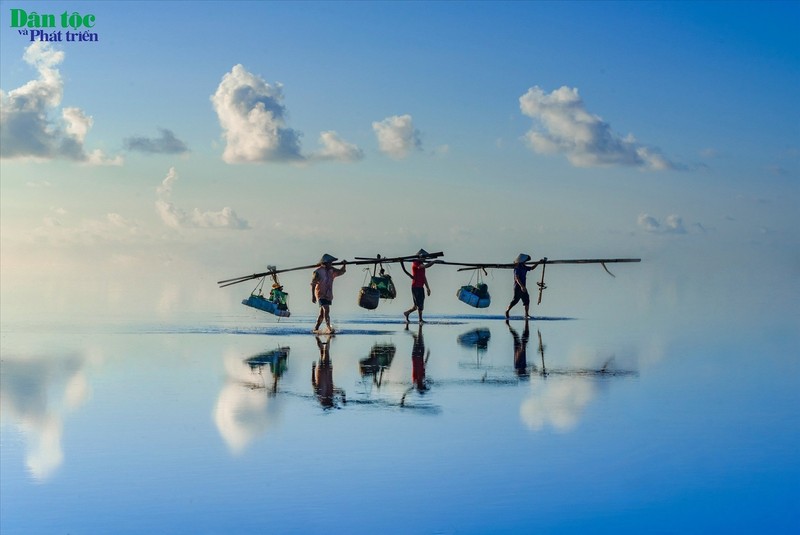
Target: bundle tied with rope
{"type": "Point", "coordinates": [278, 301]}
{"type": "Point", "coordinates": [380, 287]}
{"type": "Point", "coordinates": [476, 295]}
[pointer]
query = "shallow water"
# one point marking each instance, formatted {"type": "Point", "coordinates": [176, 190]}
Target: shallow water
{"type": "Point", "coordinates": [467, 424]}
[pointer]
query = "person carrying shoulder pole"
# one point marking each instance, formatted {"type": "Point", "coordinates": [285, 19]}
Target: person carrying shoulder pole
{"type": "Point", "coordinates": [419, 283]}
{"type": "Point", "coordinates": [322, 288]}
{"type": "Point", "coordinates": [520, 280]}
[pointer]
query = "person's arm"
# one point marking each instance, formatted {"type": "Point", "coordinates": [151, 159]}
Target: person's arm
{"type": "Point", "coordinates": [314, 282]}
{"type": "Point", "coordinates": [403, 265]}
{"type": "Point", "coordinates": [518, 283]}
{"type": "Point", "coordinates": [343, 270]}
{"type": "Point", "coordinates": [427, 287]}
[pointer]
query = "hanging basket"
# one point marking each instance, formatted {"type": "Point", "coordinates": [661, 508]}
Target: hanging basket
{"type": "Point", "coordinates": [369, 298]}
{"type": "Point", "coordinates": [260, 302]}
{"type": "Point", "coordinates": [384, 285]}
{"type": "Point", "coordinates": [277, 303]}
{"type": "Point", "coordinates": [475, 296]}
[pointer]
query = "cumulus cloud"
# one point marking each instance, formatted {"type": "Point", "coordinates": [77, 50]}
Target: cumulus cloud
{"type": "Point", "coordinates": [253, 119]}
{"type": "Point", "coordinates": [166, 144]}
{"type": "Point", "coordinates": [335, 148]}
{"type": "Point", "coordinates": [27, 128]}
{"type": "Point", "coordinates": [673, 224]}
{"type": "Point", "coordinates": [397, 136]}
{"type": "Point", "coordinates": [177, 218]}
{"type": "Point", "coordinates": [563, 125]}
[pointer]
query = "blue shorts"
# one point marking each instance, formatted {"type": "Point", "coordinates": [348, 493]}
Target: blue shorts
{"type": "Point", "coordinates": [324, 302]}
{"type": "Point", "coordinates": [519, 294]}
{"type": "Point", "coordinates": [419, 297]}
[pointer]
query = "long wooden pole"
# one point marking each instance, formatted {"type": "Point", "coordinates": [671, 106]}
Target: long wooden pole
{"type": "Point", "coordinates": [476, 265]}
{"type": "Point", "coordinates": [377, 260]}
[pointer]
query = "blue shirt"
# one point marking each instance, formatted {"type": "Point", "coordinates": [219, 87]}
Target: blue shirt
{"type": "Point", "coordinates": [521, 274]}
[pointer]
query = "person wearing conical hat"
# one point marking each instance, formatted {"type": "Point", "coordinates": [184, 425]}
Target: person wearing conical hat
{"type": "Point", "coordinates": [520, 280]}
{"type": "Point", "coordinates": [322, 288]}
{"type": "Point", "coordinates": [419, 283]}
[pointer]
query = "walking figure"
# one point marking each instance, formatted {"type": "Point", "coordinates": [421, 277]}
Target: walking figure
{"type": "Point", "coordinates": [419, 283]}
{"type": "Point", "coordinates": [322, 288]}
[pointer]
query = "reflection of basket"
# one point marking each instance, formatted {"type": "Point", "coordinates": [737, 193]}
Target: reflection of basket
{"type": "Point", "coordinates": [475, 296]}
{"type": "Point", "coordinates": [369, 297]}
{"type": "Point", "coordinates": [380, 357]}
{"type": "Point", "coordinates": [478, 338]}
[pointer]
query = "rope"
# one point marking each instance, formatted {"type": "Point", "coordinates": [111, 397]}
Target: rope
{"type": "Point", "coordinates": [259, 287]}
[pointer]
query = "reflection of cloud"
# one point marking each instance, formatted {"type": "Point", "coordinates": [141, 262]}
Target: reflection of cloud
{"type": "Point", "coordinates": [177, 218]}
{"type": "Point", "coordinates": [559, 404]}
{"type": "Point", "coordinates": [243, 412]}
{"type": "Point", "coordinates": [34, 392]}
{"type": "Point", "coordinates": [568, 128]}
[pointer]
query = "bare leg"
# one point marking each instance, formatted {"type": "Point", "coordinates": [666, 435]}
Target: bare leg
{"type": "Point", "coordinates": [409, 311]}
{"type": "Point", "coordinates": [327, 313]}
{"type": "Point", "coordinates": [319, 318]}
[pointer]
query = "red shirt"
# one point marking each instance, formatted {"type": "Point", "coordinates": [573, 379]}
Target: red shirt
{"type": "Point", "coordinates": [418, 279]}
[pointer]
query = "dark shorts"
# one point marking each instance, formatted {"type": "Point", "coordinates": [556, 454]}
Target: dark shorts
{"type": "Point", "coordinates": [418, 294]}
{"type": "Point", "coordinates": [519, 294]}
{"type": "Point", "coordinates": [324, 302]}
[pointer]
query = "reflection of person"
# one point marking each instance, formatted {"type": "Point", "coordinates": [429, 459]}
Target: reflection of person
{"type": "Point", "coordinates": [521, 349]}
{"type": "Point", "coordinates": [520, 280]}
{"type": "Point", "coordinates": [418, 360]}
{"type": "Point", "coordinates": [419, 283]}
{"type": "Point", "coordinates": [322, 376]}
{"type": "Point", "coordinates": [322, 288]}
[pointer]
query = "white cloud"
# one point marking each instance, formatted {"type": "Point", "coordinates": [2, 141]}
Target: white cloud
{"type": "Point", "coordinates": [166, 144]}
{"type": "Point", "coordinates": [78, 123]}
{"type": "Point", "coordinates": [397, 136]}
{"type": "Point", "coordinates": [252, 116]}
{"type": "Point", "coordinates": [566, 127]}
{"type": "Point", "coordinates": [177, 218]}
{"type": "Point", "coordinates": [335, 148]}
{"type": "Point", "coordinates": [673, 224]}
{"type": "Point", "coordinates": [26, 128]}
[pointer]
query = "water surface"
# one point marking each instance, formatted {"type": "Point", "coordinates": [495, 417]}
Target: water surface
{"type": "Point", "coordinates": [467, 424]}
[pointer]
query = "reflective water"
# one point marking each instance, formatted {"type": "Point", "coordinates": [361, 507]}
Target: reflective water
{"type": "Point", "coordinates": [464, 425]}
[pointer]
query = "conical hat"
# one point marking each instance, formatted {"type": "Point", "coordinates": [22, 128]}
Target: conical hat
{"type": "Point", "coordinates": [326, 259]}
{"type": "Point", "coordinates": [522, 258]}
{"type": "Point", "coordinates": [422, 252]}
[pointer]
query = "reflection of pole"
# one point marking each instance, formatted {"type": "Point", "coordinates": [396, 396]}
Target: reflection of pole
{"type": "Point", "coordinates": [541, 352]}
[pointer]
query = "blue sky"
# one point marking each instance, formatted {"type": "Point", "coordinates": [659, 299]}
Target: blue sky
{"type": "Point", "coordinates": [662, 130]}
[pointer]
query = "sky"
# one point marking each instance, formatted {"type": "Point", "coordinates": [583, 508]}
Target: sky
{"type": "Point", "coordinates": [184, 143]}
